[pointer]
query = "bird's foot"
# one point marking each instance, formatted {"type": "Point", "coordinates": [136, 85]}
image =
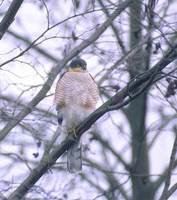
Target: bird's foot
{"type": "Point", "coordinates": [73, 132]}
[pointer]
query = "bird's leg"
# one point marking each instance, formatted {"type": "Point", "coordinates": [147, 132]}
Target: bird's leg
{"type": "Point", "coordinates": [59, 116]}
{"type": "Point", "coordinates": [73, 131]}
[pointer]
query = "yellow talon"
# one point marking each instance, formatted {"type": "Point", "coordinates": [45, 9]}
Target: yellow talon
{"type": "Point", "coordinates": [73, 131]}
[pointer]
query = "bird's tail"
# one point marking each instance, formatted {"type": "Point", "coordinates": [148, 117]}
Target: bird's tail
{"type": "Point", "coordinates": [74, 158]}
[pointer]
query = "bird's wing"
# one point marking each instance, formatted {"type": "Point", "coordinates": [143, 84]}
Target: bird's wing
{"type": "Point", "coordinates": [93, 87]}
{"type": "Point", "coordinates": [59, 93]}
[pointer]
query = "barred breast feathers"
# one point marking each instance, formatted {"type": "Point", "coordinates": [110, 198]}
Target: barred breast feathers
{"type": "Point", "coordinates": [77, 87]}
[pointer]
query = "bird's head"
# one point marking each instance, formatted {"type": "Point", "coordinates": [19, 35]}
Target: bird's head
{"type": "Point", "coordinates": [78, 65]}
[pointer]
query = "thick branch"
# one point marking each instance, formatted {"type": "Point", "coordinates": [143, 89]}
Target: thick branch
{"type": "Point", "coordinates": [55, 70]}
{"type": "Point", "coordinates": [9, 16]}
{"type": "Point", "coordinates": [116, 102]}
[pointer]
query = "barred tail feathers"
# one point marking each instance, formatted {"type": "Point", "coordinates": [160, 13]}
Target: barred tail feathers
{"type": "Point", "coordinates": [74, 158]}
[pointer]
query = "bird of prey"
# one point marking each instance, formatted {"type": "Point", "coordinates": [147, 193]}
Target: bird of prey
{"type": "Point", "coordinates": [76, 97]}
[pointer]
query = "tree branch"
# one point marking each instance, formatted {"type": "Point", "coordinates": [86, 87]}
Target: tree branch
{"type": "Point", "coordinates": [55, 70]}
{"type": "Point", "coordinates": [9, 16]}
{"type": "Point", "coordinates": [156, 184]}
{"type": "Point", "coordinates": [38, 49]}
{"type": "Point", "coordinates": [115, 102]}
{"type": "Point", "coordinates": [171, 190]}
{"type": "Point", "coordinates": [114, 28]}
{"type": "Point", "coordinates": [113, 182]}
{"type": "Point", "coordinates": [165, 194]}
{"type": "Point", "coordinates": [106, 144]}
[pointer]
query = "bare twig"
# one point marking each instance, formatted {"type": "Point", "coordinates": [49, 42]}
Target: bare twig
{"type": "Point", "coordinates": [112, 189]}
{"type": "Point", "coordinates": [107, 145]}
{"type": "Point", "coordinates": [115, 184]}
{"type": "Point", "coordinates": [37, 48]}
{"type": "Point", "coordinates": [165, 194]}
{"type": "Point", "coordinates": [114, 28]}
{"type": "Point", "coordinates": [47, 12]}
{"type": "Point", "coordinates": [34, 43]}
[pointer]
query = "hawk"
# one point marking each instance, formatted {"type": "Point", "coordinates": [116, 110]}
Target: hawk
{"type": "Point", "coordinates": [76, 97]}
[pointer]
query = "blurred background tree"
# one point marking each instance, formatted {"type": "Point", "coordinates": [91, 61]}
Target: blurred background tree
{"type": "Point", "coordinates": [131, 156]}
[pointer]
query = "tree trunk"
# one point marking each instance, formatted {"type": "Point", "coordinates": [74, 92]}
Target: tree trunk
{"type": "Point", "coordinates": [136, 114]}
